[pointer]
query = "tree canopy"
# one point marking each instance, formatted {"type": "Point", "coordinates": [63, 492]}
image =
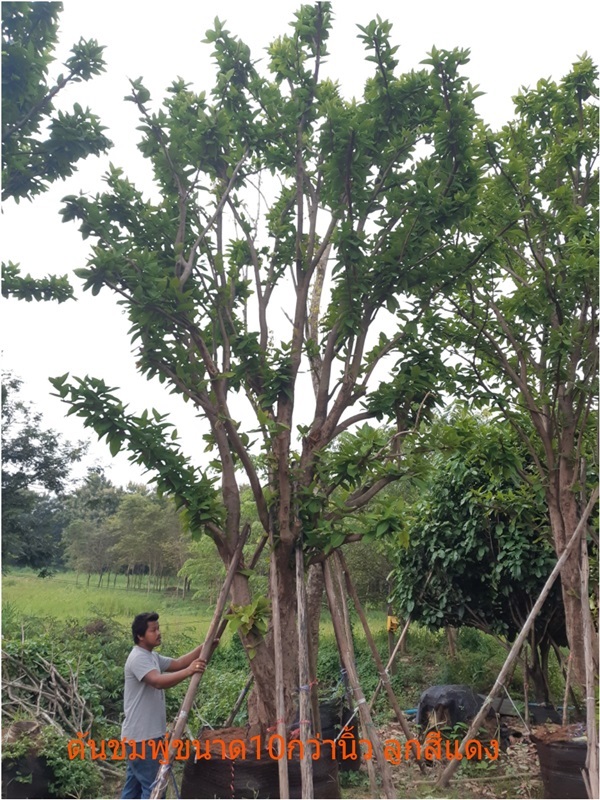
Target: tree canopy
{"type": "Point", "coordinates": [477, 544]}
{"type": "Point", "coordinates": [36, 465]}
{"type": "Point", "coordinates": [525, 321]}
{"type": "Point", "coordinates": [39, 144]}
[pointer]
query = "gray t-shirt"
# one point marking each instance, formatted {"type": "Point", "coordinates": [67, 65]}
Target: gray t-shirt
{"type": "Point", "coordinates": [145, 712]}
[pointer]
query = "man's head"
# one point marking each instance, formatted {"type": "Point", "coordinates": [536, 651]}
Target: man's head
{"type": "Point", "coordinates": [146, 630]}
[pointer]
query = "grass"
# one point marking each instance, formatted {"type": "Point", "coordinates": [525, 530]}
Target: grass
{"type": "Point", "coordinates": [62, 597]}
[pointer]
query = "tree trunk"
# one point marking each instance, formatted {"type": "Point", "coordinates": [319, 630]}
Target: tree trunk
{"type": "Point", "coordinates": [451, 636]}
{"type": "Point", "coordinates": [539, 658]}
{"type": "Point", "coordinates": [564, 517]}
{"type": "Point", "coordinates": [261, 702]}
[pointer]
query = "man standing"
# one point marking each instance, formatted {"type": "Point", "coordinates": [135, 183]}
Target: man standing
{"type": "Point", "coordinates": [147, 675]}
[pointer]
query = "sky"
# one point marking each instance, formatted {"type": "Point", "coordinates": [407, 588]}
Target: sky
{"type": "Point", "coordinates": [513, 44]}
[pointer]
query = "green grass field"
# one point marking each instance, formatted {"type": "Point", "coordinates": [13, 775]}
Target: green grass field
{"type": "Point", "coordinates": [63, 597]}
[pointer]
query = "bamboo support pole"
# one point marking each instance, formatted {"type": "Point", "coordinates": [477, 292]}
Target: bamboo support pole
{"type": "Point", "coordinates": [207, 647]}
{"type": "Point", "coordinates": [590, 773]}
{"type": "Point", "coordinates": [391, 659]}
{"type": "Point", "coordinates": [337, 568]}
{"type": "Point", "coordinates": [399, 645]}
{"type": "Point", "coordinates": [565, 714]}
{"type": "Point", "coordinates": [282, 763]}
{"type": "Point", "coordinates": [383, 676]}
{"type": "Point", "coordinates": [304, 708]}
{"type": "Point", "coordinates": [363, 709]}
{"type": "Point", "coordinates": [238, 703]}
{"type": "Point", "coordinates": [449, 771]}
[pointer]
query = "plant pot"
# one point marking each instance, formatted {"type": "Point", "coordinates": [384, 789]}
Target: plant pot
{"type": "Point", "coordinates": [562, 752]}
{"type": "Point", "coordinates": [250, 776]}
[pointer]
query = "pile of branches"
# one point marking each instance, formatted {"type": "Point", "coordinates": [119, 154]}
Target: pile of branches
{"type": "Point", "coordinates": [53, 697]}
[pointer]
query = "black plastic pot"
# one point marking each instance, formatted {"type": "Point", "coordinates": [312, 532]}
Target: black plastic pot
{"type": "Point", "coordinates": [561, 763]}
{"type": "Point", "coordinates": [251, 778]}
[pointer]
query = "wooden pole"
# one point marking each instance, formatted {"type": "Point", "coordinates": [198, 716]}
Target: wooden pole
{"type": "Point", "coordinates": [590, 773]}
{"type": "Point", "coordinates": [335, 563]}
{"type": "Point", "coordinates": [363, 709]}
{"type": "Point", "coordinates": [181, 719]}
{"type": "Point", "coordinates": [282, 763]}
{"type": "Point", "coordinates": [304, 709]}
{"type": "Point", "coordinates": [238, 703]}
{"type": "Point", "coordinates": [383, 676]}
{"type": "Point", "coordinates": [399, 645]}
{"type": "Point", "coordinates": [449, 771]}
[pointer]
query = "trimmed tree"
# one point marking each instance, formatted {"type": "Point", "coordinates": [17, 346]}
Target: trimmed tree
{"type": "Point", "coordinates": [258, 309]}
{"type": "Point", "coordinates": [527, 318]}
{"type": "Point", "coordinates": [476, 547]}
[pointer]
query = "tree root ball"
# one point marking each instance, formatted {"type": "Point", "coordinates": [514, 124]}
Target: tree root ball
{"type": "Point", "coordinates": [250, 777]}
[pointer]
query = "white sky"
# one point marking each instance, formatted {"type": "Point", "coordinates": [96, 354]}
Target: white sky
{"type": "Point", "coordinates": [512, 44]}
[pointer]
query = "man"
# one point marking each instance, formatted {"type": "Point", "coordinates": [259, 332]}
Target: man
{"type": "Point", "coordinates": [147, 675]}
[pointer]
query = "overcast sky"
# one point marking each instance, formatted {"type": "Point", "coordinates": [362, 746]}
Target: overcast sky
{"type": "Point", "coordinates": [512, 44]}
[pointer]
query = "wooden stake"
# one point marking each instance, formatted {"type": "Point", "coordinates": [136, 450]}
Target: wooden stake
{"type": "Point", "coordinates": [565, 714]}
{"type": "Point", "coordinates": [306, 771]}
{"type": "Point", "coordinates": [282, 763]}
{"type": "Point", "coordinates": [335, 563]}
{"type": "Point", "coordinates": [449, 771]}
{"type": "Point", "coordinates": [238, 703]}
{"type": "Point", "coordinates": [383, 676]}
{"type": "Point", "coordinates": [207, 648]}
{"type": "Point", "coordinates": [590, 773]}
{"type": "Point", "coordinates": [363, 709]}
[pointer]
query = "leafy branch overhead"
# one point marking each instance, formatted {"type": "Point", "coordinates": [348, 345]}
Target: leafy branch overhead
{"type": "Point", "coordinates": [40, 143]}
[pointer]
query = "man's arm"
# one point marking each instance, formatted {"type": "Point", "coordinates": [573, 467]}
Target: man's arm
{"type": "Point", "coordinates": [184, 661]}
{"type": "Point", "coordinates": [166, 680]}
{"type": "Point", "coordinates": [178, 664]}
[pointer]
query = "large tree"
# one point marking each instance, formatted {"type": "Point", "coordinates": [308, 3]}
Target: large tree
{"type": "Point", "coordinates": [36, 465]}
{"type": "Point", "coordinates": [297, 239]}
{"type": "Point", "coordinates": [527, 318]}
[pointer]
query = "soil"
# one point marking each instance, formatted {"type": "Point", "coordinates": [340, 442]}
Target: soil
{"type": "Point", "coordinates": [515, 774]}
{"type": "Point", "coordinates": [560, 733]}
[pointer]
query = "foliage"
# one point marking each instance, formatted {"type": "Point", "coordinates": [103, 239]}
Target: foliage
{"type": "Point", "coordinates": [71, 778]}
{"type": "Point", "coordinates": [525, 321]}
{"type": "Point", "coordinates": [40, 146]}
{"type": "Point", "coordinates": [480, 547]}
{"type": "Point", "coordinates": [251, 619]}
{"type": "Point", "coordinates": [479, 543]}
{"type": "Point", "coordinates": [79, 778]}
{"type": "Point", "coordinates": [34, 460]}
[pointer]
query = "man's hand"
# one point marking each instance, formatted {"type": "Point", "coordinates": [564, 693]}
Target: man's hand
{"type": "Point", "coordinates": [197, 667]}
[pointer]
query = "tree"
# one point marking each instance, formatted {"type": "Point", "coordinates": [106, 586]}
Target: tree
{"type": "Point", "coordinates": [34, 461]}
{"type": "Point", "coordinates": [527, 318]}
{"type": "Point", "coordinates": [477, 547]}
{"type": "Point", "coordinates": [355, 241]}
{"type": "Point", "coordinates": [39, 144]}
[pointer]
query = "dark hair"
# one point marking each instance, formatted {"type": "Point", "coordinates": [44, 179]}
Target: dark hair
{"type": "Point", "coordinates": [139, 626]}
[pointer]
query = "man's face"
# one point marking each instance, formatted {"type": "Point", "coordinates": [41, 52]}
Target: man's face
{"type": "Point", "coordinates": [151, 638]}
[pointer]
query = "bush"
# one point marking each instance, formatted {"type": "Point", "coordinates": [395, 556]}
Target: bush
{"type": "Point", "coordinates": [66, 778]}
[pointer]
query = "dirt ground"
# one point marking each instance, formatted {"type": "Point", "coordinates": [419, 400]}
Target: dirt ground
{"type": "Point", "coordinates": [516, 774]}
